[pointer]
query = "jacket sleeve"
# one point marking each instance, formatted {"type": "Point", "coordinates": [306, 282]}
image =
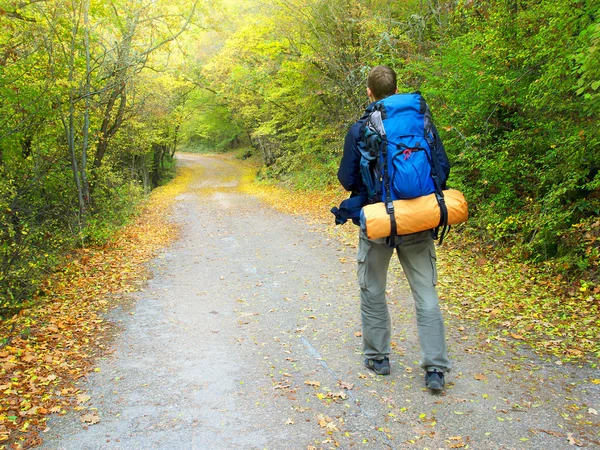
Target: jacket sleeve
{"type": "Point", "coordinates": [349, 171]}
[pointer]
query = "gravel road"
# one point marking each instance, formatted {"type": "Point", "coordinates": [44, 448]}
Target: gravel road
{"type": "Point", "coordinates": [248, 337]}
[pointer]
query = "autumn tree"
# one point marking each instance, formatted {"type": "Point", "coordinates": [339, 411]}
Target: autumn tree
{"type": "Point", "coordinates": [73, 76]}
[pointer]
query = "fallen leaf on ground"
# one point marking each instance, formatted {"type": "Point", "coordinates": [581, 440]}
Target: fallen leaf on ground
{"type": "Point", "coordinates": [480, 377]}
{"type": "Point", "coordinates": [82, 398]}
{"type": "Point", "coordinates": [573, 441]}
{"type": "Point", "coordinates": [552, 433]}
{"type": "Point", "coordinates": [29, 358]}
{"type": "Point", "coordinates": [313, 383]}
{"type": "Point", "coordinates": [331, 427]}
{"type": "Point", "coordinates": [90, 418]}
{"type": "Point", "coordinates": [345, 385]}
{"type": "Point", "coordinates": [336, 396]}
{"type": "Point", "coordinates": [323, 420]}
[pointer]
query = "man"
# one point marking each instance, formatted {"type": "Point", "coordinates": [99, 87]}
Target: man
{"type": "Point", "coordinates": [417, 256]}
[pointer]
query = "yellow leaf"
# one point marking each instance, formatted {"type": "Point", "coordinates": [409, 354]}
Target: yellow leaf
{"type": "Point", "coordinates": [323, 420]}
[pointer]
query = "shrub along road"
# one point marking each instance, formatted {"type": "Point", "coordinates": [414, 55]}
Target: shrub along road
{"type": "Point", "coordinates": [248, 336]}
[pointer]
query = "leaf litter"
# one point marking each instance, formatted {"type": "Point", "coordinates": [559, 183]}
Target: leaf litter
{"type": "Point", "coordinates": [52, 343]}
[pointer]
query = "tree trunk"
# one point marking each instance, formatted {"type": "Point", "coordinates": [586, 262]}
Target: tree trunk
{"type": "Point", "coordinates": [175, 141]}
{"type": "Point", "coordinates": [108, 129]}
{"type": "Point", "coordinates": [122, 67]}
{"type": "Point", "coordinates": [69, 126]}
{"type": "Point", "coordinates": [86, 115]}
{"type": "Point", "coordinates": [157, 150]}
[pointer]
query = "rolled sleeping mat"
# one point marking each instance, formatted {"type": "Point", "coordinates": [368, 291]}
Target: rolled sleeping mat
{"type": "Point", "coordinates": [412, 216]}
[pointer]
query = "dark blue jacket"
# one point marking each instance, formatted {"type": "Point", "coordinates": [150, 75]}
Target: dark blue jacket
{"type": "Point", "coordinates": [349, 172]}
{"type": "Point", "coordinates": [349, 175]}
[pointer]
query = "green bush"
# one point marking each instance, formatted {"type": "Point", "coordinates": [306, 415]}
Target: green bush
{"type": "Point", "coordinates": [114, 203]}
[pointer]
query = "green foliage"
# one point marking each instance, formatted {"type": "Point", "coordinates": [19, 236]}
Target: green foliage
{"type": "Point", "coordinates": [211, 126]}
{"type": "Point", "coordinates": [115, 201]}
{"type": "Point", "coordinates": [587, 57]}
{"type": "Point", "coordinates": [527, 151]}
{"type": "Point", "coordinates": [37, 221]}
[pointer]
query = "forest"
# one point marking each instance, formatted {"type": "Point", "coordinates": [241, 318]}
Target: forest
{"type": "Point", "coordinates": [97, 96]}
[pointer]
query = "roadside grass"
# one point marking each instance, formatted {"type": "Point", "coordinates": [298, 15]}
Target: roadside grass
{"type": "Point", "coordinates": [522, 303]}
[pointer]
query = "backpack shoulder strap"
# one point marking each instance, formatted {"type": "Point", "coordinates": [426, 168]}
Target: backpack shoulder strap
{"type": "Point", "coordinates": [436, 171]}
{"type": "Point", "coordinates": [377, 124]}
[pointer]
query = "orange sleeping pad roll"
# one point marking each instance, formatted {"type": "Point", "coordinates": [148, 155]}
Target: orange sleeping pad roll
{"type": "Point", "coordinates": [412, 216]}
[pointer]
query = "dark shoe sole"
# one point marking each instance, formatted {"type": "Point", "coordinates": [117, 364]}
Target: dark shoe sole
{"type": "Point", "coordinates": [435, 383]}
{"type": "Point", "coordinates": [435, 386]}
{"type": "Point", "coordinates": [383, 371]}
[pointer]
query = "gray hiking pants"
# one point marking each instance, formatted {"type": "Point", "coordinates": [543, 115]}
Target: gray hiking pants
{"type": "Point", "coordinates": [417, 256]}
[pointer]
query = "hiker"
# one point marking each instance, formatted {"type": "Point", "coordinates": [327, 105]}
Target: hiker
{"type": "Point", "coordinates": [415, 251]}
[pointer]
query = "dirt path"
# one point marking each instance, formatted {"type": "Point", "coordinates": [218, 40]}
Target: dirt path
{"type": "Point", "coordinates": [246, 338]}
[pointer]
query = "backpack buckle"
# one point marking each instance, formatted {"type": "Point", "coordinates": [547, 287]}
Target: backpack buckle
{"type": "Point", "coordinates": [389, 206]}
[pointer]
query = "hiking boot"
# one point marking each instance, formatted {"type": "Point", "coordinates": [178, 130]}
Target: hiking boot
{"type": "Point", "coordinates": [434, 380]}
{"type": "Point", "coordinates": [379, 366]}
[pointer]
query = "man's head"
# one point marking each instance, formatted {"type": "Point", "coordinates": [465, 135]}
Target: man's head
{"type": "Point", "coordinates": [381, 83]}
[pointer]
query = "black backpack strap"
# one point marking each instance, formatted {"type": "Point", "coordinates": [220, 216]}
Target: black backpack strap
{"type": "Point", "coordinates": [439, 193]}
{"type": "Point", "coordinates": [389, 204]}
{"type": "Point", "coordinates": [377, 125]}
{"type": "Point", "coordinates": [361, 130]}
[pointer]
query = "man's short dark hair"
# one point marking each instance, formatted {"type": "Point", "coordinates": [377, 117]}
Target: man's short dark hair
{"type": "Point", "coordinates": [382, 82]}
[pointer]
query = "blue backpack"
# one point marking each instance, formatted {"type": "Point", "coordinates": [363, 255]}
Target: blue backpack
{"type": "Point", "coordinates": [399, 156]}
